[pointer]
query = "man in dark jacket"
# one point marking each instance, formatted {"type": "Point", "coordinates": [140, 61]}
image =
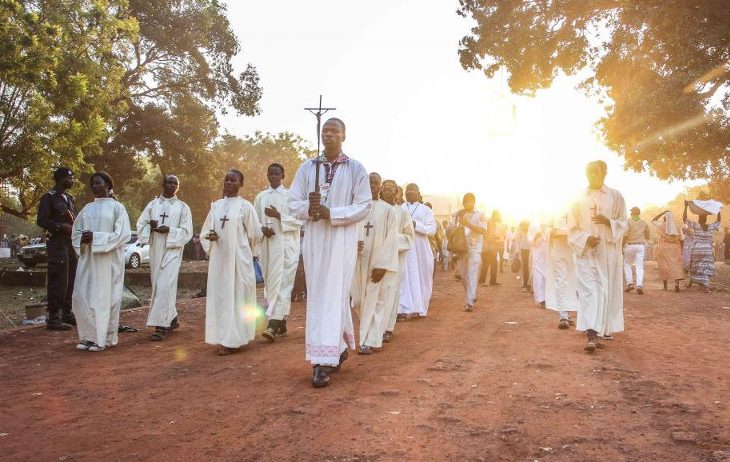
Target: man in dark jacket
{"type": "Point", "coordinates": [56, 214]}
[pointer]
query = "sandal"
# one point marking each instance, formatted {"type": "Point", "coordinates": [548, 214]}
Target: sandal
{"type": "Point", "coordinates": [126, 329]}
{"type": "Point", "coordinates": [225, 351]}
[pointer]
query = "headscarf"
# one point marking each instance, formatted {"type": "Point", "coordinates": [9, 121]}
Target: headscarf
{"type": "Point", "coordinates": [669, 227]}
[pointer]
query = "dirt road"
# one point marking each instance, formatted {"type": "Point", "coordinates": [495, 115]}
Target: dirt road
{"type": "Point", "coordinates": [502, 383]}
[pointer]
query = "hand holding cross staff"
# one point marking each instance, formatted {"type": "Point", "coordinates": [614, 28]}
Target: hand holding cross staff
{"type": "Point", "coordinates": [316, 209]}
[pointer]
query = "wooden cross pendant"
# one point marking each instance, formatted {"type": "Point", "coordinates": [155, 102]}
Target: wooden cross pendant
{"type": "Point", "coordinates": [224, 220]}
{"type": "Point", "coordinates": [368, 227]}
{"type": "Point", "coordinates": [163, 216]}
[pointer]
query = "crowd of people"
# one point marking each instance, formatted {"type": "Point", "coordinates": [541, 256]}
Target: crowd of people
{"type": "Point", "coordinates": [360, 244]}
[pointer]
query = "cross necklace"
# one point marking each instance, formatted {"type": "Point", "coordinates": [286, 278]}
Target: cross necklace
{"type": "Point", "coordinates": [164, 214]}
{"type": "Point", "coordinates": [225, 215]}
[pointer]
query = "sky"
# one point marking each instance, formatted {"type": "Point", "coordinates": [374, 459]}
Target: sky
{"type": "Point", "coordinates": [391, 69]}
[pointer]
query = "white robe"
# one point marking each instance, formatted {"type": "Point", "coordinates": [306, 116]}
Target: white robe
{"type": "Point", "coordinates": [404, 226]}
{"type": "Point", "coordinates": [560, 282]}
{"type": "Point", "coordinates": [166, 251]}
{"type": "Point", "coordinates": [417, 284]}
{"type": "Point", "coordinates": [379, 234]}
{"type": "Point", "coordinates": [99, 282]}
{"type": "Point", "coordinates": [329, 251]}
{"type": "Point", "coordinates": [599, 271]}
{"type": "Point", "coordinates": [230, 307]}
{"type": "Point", "coordinates": [538, 267]}
{"type": "Point", "coordinates": [278, 254]}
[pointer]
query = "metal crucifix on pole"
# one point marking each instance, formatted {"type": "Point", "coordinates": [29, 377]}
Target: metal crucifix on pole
{"type": "Point", "coordinates": [318, 112]}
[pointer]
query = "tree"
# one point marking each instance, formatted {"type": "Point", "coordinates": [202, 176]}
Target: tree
{"type": "Point", "coordinates": [662, 67]}
{"type": "Point", "coordinates": [115, 85]}
{"type": "Point", "coordinates": [251, 155]}
{"type": "Point", "coordinates": [58, 77]}
{"type": "Point", "coordinates": [177, 75]}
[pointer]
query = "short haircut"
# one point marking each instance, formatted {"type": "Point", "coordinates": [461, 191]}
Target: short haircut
{"type": "Point", "coordinates": [469, 196]}
{"type": "Point", "coordinates": [61, 173]}
{"type": "Point", "coordinates": [376, 174]}
{"type": "Point", "coordinates": [414, 185]}
{"type": "Point", "coordinates": [277, 165]}
{"type": "Point", "coordinates": [237, 172]}
{"type": "Point", "coordinates": [601, 164]}
{"type": "Point", "coordinates": [164, 178]}
{"type": "Point", "coordinates": [395, 185]}
{"type": "Point", "coordinates": [337, 121]}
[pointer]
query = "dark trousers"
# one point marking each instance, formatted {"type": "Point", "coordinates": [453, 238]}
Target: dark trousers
{"type": "Point", "coordinates": [525, 256]}
{"type": "Point", "coordinates": [489, 263]}
{"type": "Point", "coordinates": [60, 280]}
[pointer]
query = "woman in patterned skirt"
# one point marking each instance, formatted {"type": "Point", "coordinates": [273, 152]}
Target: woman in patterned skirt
{"type": "Point", "coordinates": [702, 258]}
{"type": "Point", "coordinates": [669, 249]}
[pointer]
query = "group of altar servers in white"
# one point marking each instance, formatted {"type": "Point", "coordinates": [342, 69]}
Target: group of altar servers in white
{"type": "Point", "coordinates": [363, 249]}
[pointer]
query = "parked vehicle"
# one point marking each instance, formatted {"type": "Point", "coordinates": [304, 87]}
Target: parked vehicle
{"type": "Point", "coordinates": [136, 254]}
{"type": "Point", "coordinates": [33, 254]}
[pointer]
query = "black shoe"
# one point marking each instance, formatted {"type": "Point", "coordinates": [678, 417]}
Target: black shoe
{"type": "Point", "coordinates": [160, 334]}
{"type": "Point", "coordinates": [320, 379]}
{"type": "Point", "coordinates": [69, 319]}
{"type": "Point", "coordinates": [57, 324]}
{"type": "Point", "coordinates": [175, 324]}
{"type": "Point", "coordinates": [281, 328]}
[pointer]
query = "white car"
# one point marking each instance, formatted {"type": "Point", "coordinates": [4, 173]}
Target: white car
{"type": "Point", "coordinates": [136, 254]}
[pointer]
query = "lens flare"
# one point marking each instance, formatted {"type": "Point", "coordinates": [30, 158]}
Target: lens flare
{"type": "Point", "coordinates": [251, 313]}
{"type": "Point", "coordinates": [181, 354]}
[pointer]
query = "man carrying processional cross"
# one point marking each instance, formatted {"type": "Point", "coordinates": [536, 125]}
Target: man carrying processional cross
{"type": "Point", "coordinates": [332, 195]}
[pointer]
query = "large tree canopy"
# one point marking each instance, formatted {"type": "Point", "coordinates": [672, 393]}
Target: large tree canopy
{"type": "Point", "coordinates": [58, 79]}
{"type": "Point", "coordinates": [663, 64]}
{"type": "Point", "coordinates": [118, 85]}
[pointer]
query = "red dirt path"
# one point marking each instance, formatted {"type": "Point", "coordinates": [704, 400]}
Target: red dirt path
{"type": "Point", "coordinates": [454, 386]}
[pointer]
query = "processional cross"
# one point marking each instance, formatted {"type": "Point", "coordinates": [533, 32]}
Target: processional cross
{"type": "Point", "coordinates": [368, 227]}
{"type": "Point", "coordinates": [318, 113]}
